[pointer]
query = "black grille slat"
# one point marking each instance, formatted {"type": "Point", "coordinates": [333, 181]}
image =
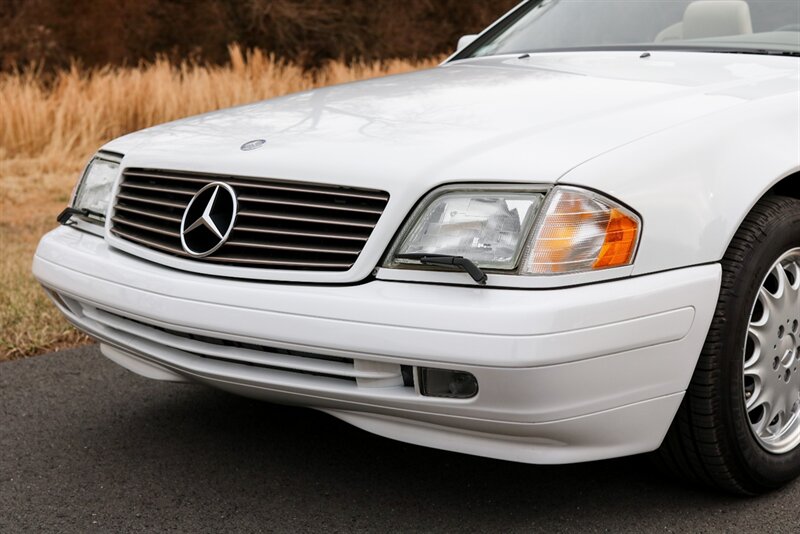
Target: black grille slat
{"type": "Point", "coordinates": [141, 213]}
{"type": "Point", "coordinates": [137, 189]}
{"type": "Point", "coordinates": [294, 248]}
{"type": "Point", "coordinates": [309, 219]}
{"type": "Point", "coordinates": [300, 233]}
{"type": "Point", "coordinates": [285, 203]}
{"type": "Point", "coordinates": [148, 241]}
{"type": "Point", "coordinates": [122, 221]}
{"type": "Point", "coordinates": [380, 198]}
{"type": "Point", "coordinates": [281, 263]}
{"type": "Point", "coordinates": [142, 199]}
{"type": "Point", "coordinates": [280, 225]}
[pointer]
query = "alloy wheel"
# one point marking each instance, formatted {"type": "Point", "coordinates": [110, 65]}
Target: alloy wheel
{"type": "Point", "coordinates": [772, 358]}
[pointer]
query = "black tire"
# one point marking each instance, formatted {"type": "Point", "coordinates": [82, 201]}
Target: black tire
{"type": "Point", "coordinates": [710, 440]}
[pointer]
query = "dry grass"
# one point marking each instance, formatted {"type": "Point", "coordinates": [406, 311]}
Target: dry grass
{"type": "Point", "coordinates": [49, 129]}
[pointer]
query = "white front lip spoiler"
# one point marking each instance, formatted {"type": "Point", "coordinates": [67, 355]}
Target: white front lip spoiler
{"type": "Point", "coordinates": [565, 375]}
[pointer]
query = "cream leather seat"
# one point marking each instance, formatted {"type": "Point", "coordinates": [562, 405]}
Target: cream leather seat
{"type": "Point", "coordinates": [710, 18]}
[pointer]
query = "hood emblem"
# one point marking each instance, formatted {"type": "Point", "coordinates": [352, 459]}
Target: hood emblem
{"type": "Point", "coordinates": [209, 219]}
{"type": "Point", "coordinates": [254, 144]}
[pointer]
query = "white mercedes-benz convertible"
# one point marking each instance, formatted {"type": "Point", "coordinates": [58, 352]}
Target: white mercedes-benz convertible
{"type": "Point", "coordinates": [576, 239]}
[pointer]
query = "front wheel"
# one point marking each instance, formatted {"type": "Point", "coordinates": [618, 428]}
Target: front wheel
{"type": "Point", "coordinates": [738, 427]}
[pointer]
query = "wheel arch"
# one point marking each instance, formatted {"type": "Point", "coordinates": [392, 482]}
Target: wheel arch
{"type": "Point", "coordinates": [787, 187]}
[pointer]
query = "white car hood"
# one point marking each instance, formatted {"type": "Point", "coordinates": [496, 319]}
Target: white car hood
{"type": "Point", "coordinates": [510, 119]}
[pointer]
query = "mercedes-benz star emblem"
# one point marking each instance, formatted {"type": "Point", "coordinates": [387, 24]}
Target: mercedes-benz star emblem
{"type": "Point", "coordinates": [208, 220]}
{"type": "Point", "coordinates": [254, 144]}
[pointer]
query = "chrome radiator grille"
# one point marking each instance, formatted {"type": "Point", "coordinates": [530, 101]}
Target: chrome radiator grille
{"type": "Point", "coordinates": [280, 225]}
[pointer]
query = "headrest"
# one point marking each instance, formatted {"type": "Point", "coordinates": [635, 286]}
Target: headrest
{"type": "Point", "coordinates": [716, 18]}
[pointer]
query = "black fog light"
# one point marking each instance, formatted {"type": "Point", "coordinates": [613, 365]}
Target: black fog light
{"type": "Point", "coordinates": [446, 384]}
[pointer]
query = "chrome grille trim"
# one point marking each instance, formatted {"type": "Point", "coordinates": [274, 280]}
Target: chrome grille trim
{"type": "Point", "coordinates": [233, 182]}
{"type": "Point", "coordinates": [280, 225]}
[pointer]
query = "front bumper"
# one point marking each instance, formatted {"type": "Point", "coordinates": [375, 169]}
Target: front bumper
{"type": "Point", "coordinates": [565, 375]}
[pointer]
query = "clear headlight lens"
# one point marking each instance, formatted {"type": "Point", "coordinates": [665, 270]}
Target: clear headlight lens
{"type": "Point", "coordinates": [508, 229]}
{"type": "Point", "coordinates": [93, 193]}
{"type": "Point", "coordinates": [487, 227]}
{"type": "Point", "coordinates": [581, 231]}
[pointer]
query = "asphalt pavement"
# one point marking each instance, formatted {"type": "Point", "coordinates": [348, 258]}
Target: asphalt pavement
{"type": "Point", "coordinates": [86, 446]}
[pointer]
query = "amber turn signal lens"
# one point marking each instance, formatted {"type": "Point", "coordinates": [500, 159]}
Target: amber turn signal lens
{"type": "Point", "coordinates": [581, 231]}
{"type": "Point", "coordinates": [620, 242]}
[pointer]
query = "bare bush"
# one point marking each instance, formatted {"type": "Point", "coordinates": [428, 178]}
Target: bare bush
{"type": "Point", "coordinates": [55, 33]}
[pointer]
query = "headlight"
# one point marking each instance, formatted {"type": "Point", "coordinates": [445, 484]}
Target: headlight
{"type": "Point", "coordinates": [520, 231]}
{"type": "Point", "coordinates": [486, 226]}
{"type": "Point", "coordinates": [93, 192]}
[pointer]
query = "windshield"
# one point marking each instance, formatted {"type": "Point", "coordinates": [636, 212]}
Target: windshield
{"type": "Point", "coordinates": [754, 26]}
